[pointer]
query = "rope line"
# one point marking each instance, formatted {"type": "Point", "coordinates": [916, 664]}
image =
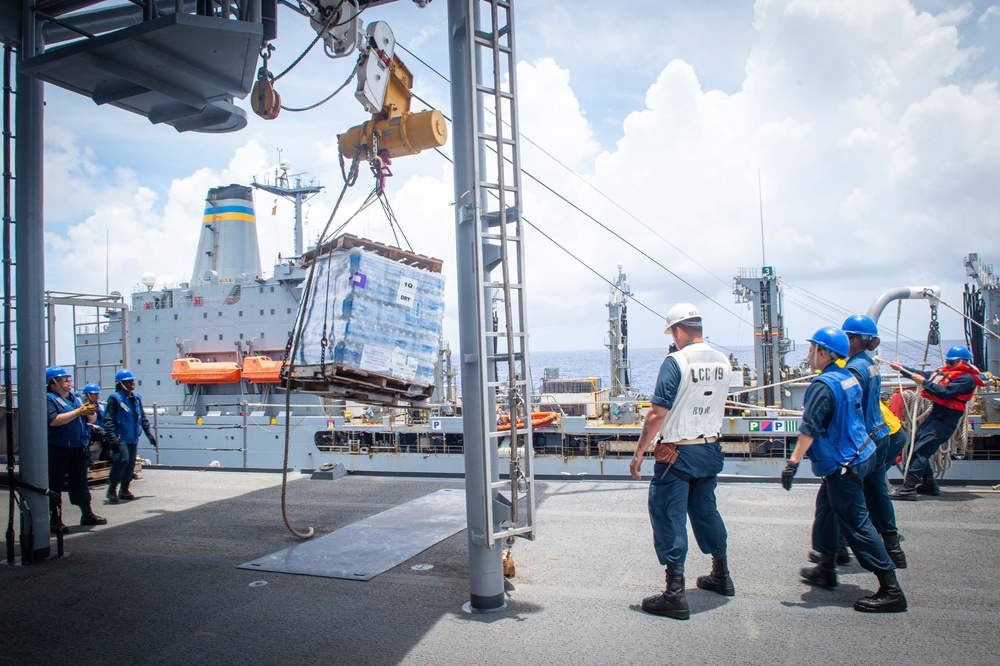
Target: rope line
{"type": "Point", "coordinates": [296, 342]}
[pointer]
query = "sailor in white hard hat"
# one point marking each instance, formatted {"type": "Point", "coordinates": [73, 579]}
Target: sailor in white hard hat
{"type": "Point", "coordinates": [686, 415]}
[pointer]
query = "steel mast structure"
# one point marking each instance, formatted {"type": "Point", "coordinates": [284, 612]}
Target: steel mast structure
{"type": "Point", "coordinates": [489, 240]}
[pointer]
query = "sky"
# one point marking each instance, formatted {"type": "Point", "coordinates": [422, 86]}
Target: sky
{"type": "Point", "coordinates": [853, 145]}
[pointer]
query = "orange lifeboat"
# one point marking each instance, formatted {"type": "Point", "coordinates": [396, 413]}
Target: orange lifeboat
{"type": "Point", "coordinates": [194, 371]}
{"type": "Point", "coordinates": [538, 420]}
{"type": "Point", "coordinates": [261, 370]}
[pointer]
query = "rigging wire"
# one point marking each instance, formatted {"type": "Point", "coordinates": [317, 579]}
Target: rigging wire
{"type": "Point", "coordinates": [819, 300]}
{"type": "Point", "coordinates": [578, 177]}
{"type": "Point", "coordinates": [606, 228]}
{"type": "Point", "coordinates": [319, 34]}
{"type": "Point", "coordinates": [740, 317]}
{"type": "Point", "coordinates": [830, 304]}
{"type": "Point", "coordinates": [393, 220]}
{"type": "Point", "coordinates": [568, 252]}
{"type": "Point", "coordinates": [969, 319]}
{"type": "Point", "coordinates": [326, 99]}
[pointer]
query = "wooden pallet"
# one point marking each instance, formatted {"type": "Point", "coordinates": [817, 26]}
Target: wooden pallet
{"type": "Point", "coordinates": [99, 472]}
{"type": "Point", "coordinates": [349, 242]}
{"type": "Point", "coordinates": [367, 387]}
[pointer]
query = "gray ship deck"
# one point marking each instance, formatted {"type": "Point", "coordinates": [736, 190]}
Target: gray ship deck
{"type": "Point", "coordinates": [160, 584]}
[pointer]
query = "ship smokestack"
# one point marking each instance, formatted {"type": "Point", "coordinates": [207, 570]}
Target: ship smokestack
{"type": "Point", "coordinates": [228, 243]}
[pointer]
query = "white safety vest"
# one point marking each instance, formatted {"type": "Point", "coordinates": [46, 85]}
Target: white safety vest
{"type": "Point", "coordinates": [701, 397]}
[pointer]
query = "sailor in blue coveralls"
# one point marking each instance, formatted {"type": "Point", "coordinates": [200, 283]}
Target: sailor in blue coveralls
{"type": "Point", "coordinates": [92, 394]}
{"type": "Point", "coordinates": [124, 419]}
{"type": "Point", "coordinates": [833, 435]}
{"type": "Point", "coordinates": [950, 388]}
{"type": "Point", "coordinates": [687, 411]}
{"type": "Point", "coordinates": [69, 443]}
{"type": "Point", "coordinates": [862, 334]}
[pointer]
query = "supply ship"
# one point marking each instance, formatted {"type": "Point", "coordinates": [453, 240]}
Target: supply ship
{"type": "Point", "coordinates": [208, 354]}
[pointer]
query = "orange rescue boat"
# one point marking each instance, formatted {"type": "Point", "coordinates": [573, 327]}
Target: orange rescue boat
{"type": "Point", "coordinates": [262, 370]}
{"type": "Point", "coordinates": [194, 371]}
{"type": "Point", "coordinates": [538, 420]}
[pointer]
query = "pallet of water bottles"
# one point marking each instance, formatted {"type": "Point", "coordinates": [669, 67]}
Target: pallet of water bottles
{"type": "Point", "coordinates": [372, 323]}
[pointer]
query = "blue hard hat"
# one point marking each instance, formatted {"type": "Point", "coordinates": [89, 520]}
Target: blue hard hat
{"type": "Point", "coordinates": [55, 371]}
{"type": "Point", "coordinates": [860, 325]}
{"type": "Point", "coordinates": [124, 375]}
{"type": "Point", "coordinates": [958, 352]}
{"type": "Point", "coordinates": [832, 339]}
{"type": "Point", "coordinates": [91, 388]}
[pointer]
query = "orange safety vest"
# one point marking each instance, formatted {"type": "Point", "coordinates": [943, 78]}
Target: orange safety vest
{"type": "Point", "coordinates": [944, 376]}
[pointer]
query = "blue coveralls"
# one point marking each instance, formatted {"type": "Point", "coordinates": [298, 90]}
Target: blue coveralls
{"type": "Point", "coordinates": [939, 425]}
{"type": "Point", "coordinates": [68, 445]}
{"type": "Point", "coordinates": [124, 420]}
{"type": "Point", "coordinates": [843, 457]}
{"type": "Point", "coordinates": [97, 435]}
{"type": "Point", "coordinates": [686, 490]}
{"type": "Point", "coordinates": [897, 442]}
{"type": "Point", "coordinates": [880, 509]}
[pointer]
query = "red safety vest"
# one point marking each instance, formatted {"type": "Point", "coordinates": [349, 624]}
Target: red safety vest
{"type": "Point", "coordinates": [944, 376]}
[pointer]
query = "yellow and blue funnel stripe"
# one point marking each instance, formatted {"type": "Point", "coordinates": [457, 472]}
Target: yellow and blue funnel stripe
{"type": "Point", "coordinates": [223, 210]}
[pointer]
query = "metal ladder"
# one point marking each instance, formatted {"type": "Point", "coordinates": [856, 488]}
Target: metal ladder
{"type": "Point", "coordinates": [500, 243]}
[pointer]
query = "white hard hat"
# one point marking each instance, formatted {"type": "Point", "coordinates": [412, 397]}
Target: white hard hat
{"type": "Point", "coordinates": [681, 312]}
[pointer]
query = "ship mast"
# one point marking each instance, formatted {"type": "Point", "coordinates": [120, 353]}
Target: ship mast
{"type": "Point", "coordinates": [763, 291]}
{"type": "Point", "coordinates": [297, 194]}
{"type": "Point", "coordinates": [618, 336]}
{"type": "Point", "coordinates": [986, 340]}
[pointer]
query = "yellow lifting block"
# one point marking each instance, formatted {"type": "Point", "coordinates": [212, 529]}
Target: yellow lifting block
{"type": "Point", "coordinates": [407, 134]}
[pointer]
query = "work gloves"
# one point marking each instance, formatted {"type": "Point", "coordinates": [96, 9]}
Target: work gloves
{"type": "Point", "coordinates": [87, 409]}
{"type": "Point", "coordinates": [788, 474]}
{"type": "Point", "coordinates": [152, 440]}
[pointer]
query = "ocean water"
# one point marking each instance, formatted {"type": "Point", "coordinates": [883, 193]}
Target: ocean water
{"type": "Point", "coordinates": [645, 363]}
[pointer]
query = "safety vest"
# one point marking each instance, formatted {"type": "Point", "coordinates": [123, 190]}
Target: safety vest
{"type": "Point", "coordinates": [944, 376]}
{"type": "Point", "coordinates": [871, 388]}
{"type": "Point", "coordinates": [68, 434]}
{"type": "Point", "coordinates": [845, 441]}
{"type": "Point", "coordinates": [700, 403]}
{"type": "Point", "coordinates": [128, 418]}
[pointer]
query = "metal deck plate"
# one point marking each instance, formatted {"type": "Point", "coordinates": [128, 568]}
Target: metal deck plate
{"type": "Point", "coordinates": [376, 544]}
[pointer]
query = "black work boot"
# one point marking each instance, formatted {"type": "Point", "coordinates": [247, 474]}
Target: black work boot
{"type": "Point", "coordinates": [672, 602]}
{"type": "Point", "coordinates": [719, 580]}
{"type": "Point", "coordinates": [896, 554]}
{"type": "Point", "coordinates": [907, 491]}
{"type": "Point", "coordinates": [928, 486]}
{"type": "Point", "coordinates": [112, 494]}
{"type": "Point", "coordinates": [823, 574]}
{"type": "Point", "coordinates": [888, 599]}
{"type": "Point", "coordinates": [88, 517]}
{"type": "Point", "coordinates": [843, 555]}
{"type": "Point", "coordinates": [124, 494]}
